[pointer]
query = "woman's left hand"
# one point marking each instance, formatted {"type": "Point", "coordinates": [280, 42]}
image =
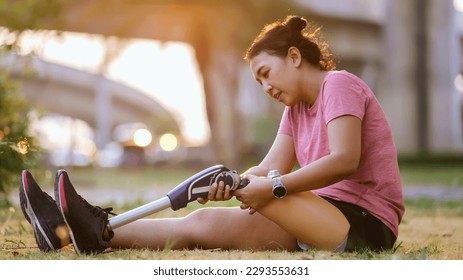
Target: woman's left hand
{"type": "Point", "coordinates": [217, 192]}
{"type": "Point", "coordinates": [256, 194]}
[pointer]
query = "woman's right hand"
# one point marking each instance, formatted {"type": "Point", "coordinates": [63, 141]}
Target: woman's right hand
{"type": "Point", "coordinates": [217, 192]}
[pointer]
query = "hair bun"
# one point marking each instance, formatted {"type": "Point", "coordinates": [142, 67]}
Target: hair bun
{"type": "Point", "coordinates": [295, 23]}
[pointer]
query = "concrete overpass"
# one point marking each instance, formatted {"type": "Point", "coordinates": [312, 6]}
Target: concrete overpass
{"type": "Point", "coordinates": [93, 98]}
{"type": "Point", "coordinates": [407, 51]}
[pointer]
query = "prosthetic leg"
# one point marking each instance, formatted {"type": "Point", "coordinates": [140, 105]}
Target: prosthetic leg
{"type": "Point", "coordinates": [192, 188]}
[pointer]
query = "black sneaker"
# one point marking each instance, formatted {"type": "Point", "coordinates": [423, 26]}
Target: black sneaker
{"type": "Point", "coordinates": [41, 212]}
{"type": "Point", "coordinates": [87, 223]}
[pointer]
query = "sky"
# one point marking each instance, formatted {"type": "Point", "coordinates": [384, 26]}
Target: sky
{"type": "Point", "coordinates": [166, 71]}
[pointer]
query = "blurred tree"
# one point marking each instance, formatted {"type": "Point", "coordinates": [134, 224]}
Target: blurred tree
{"type": "Point", "coordinates": [19, 16]}
{"type": "Point", "coordinates": [220, 39]}
{"type": "Point", "coordinates": [17, 147]}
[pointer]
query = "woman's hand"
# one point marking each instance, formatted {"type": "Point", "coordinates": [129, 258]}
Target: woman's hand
{"type": "Point", "coordinates": [217, 192]}
{"type": "Point", "coordinates": [256, 194]}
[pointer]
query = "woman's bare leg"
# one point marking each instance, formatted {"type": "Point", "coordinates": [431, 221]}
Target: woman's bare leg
{"type": "Point", "coordinates": [303, 216]}
{"type": "Point", "coordinates": [310, 219]}
{"type": "Point", "coordinates": [207, 228]}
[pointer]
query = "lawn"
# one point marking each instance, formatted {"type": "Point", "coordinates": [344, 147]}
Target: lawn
{"type": "Point", "coordinates": [431, 229]}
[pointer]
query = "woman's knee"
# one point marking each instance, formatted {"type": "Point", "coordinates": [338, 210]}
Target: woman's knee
{"type": "Point", "coordinates": [201, 221]}
{"type": "Point", "coordinates": [200, 216]}
{"type": "Point", "coordinates": [207, 227]}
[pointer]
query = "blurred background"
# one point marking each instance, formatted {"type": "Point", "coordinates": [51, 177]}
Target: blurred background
{"type": "Point", "coordinates": [124, 84]}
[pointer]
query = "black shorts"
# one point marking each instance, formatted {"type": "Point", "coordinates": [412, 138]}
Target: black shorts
{"type": "Point", "coordinates": [366, 231]}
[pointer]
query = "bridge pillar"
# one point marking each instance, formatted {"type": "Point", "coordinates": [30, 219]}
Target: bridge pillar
{"type": "Point", "coordinates": [445, 132]}
{"type": "Point", "coordinates": [397, 91]}
{"type": "Point", "coordinates": [422, 54]}
{"type": "Point", "coordinates": [102, 112]}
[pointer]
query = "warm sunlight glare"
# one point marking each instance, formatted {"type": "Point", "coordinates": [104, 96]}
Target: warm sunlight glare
{"type": "Point", "coordinates": [167, 71]}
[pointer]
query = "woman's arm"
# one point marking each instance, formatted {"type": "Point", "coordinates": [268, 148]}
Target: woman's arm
{"type": "Point", "coordinates": [344, 136]}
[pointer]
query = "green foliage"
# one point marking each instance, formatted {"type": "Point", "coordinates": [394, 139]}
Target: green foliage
{"type": "Point", "coordinates": [17, 150]}
{"type": "Point", "coordinates": [19, 16]}
{"type": "Point", "coordinates": [28, 14]}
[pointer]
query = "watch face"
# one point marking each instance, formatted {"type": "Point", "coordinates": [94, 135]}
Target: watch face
{"type": "Point", "coordinates": [279, 191]}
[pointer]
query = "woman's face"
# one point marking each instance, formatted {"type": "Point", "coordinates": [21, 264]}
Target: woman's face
{"type": "Point", "coordinates": [277, 76]}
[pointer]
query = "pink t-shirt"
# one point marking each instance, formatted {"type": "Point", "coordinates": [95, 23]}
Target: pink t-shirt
{"type": "Point", "coordinates": [376, 184]}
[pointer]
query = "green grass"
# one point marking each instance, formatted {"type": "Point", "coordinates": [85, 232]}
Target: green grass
{"type": "Point", "coordinates": [430, 229]}
{"type": "Point", "coordinates": [431, 234]}
{"type": "Point", "coordinates": [432, 175]}
{"type": "Point", "coordinates": [417, 171]}
{"type": "Point", "coordinates": [118, 178]}
{"type": "Point", "coordinates": [432, 170]}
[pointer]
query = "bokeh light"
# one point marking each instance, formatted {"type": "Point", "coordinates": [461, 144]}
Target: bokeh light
{"type": "Point", "coordinates": [142, 137]}
{"type": "Point", "coordinates": [168, 142]}
{"type": "Point", "coordinates": [23, 147]}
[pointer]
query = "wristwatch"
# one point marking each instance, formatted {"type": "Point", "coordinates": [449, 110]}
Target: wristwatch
{"type": "Point", "coordinates": [273, 173]}
{"type": "Point", "coordinates": [278, 189]}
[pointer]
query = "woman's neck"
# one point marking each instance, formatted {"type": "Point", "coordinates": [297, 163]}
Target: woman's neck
{"type": "Point", "coordinates": [312, 84]}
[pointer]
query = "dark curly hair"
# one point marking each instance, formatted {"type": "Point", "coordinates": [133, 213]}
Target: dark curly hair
{"type": "Point", "coordinates": [276, 38]}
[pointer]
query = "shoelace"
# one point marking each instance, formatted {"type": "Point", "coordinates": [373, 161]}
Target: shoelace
{"type": "Point", "coordinates": [108, 210]}
{"type": "Point", "coordinates": [97, 210]}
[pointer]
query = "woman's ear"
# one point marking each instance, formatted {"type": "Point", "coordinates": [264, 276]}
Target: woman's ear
{"type": "Point", "coordinates": [295, 57]}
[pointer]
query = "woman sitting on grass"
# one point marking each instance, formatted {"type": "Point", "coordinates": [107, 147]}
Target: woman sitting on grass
{"type": "Point", "coordinates": [346, 195]}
